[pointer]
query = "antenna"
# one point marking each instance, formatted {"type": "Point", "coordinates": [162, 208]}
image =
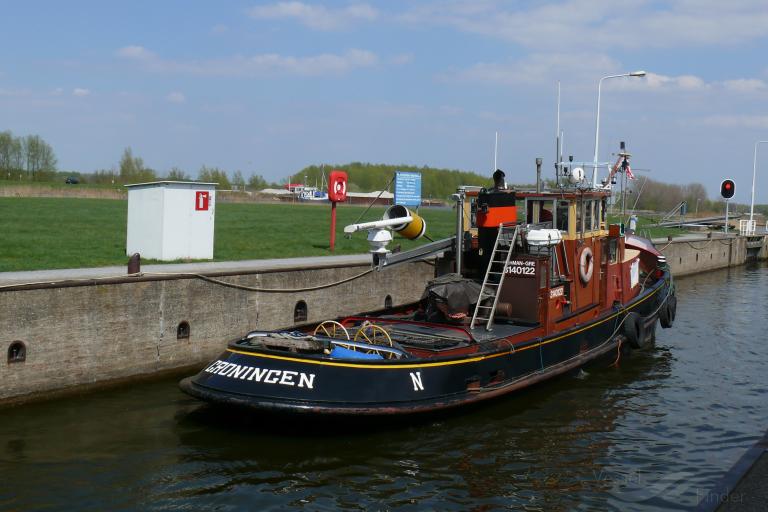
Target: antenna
{"type": "Point", "coordinates": [496, 153]}
{"type": "Point", "coordinates": [558, 149]}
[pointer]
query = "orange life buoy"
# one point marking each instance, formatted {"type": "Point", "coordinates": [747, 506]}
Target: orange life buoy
{"type": "Point", "coordinates": [586, 265]}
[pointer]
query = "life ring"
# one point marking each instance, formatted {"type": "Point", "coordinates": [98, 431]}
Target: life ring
{"type": "Point", "coordinates": [586, 265]}
{"type": "Point", "coordinates": [668, 311]}
{"type": "Point", "coordinates": [634, 330]}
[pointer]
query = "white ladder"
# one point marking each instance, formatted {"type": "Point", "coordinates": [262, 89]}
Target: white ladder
{"type": "Point", "coordinates": [502, 251]}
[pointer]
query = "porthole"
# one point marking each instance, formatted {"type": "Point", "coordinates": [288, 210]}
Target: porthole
{"type": "Point", "coordinates": [300, 312]}
{"type": "Point", "coordinates": [388, 301]}
{"type": "Point", "coordinates": [17, 352]}
{"type": "Point", "coordinates": [182, 331]}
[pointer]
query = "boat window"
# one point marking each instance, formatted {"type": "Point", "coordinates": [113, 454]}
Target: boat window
{"type": "Point", "coordinates": [562, 215]}
{"type": "Point", "coordinates": [531, 212]}
{"type": "Point", "coordinates": [589, 215]}
{"type": "Point", "coordinates": [388, 301]}
{"type": "Point", "coordinates": [579, 216]}
{"type": "Point", "coordinates": [603, 209]}
{"type": "Point", "coordinates": [613, 250]}
{"type": "Point", "coordinates": [546, 211]}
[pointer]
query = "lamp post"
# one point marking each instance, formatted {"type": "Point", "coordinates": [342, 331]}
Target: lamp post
{"type": "Point", "coordinates": [754, 172]}
{"type": "Point", "coordinates": [597, 122]}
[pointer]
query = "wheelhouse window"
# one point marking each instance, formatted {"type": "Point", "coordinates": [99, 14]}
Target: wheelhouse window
{"type": "Point", "coordinates": [561, 216]}
{"type": "Point", "coordinates": [580, 217]}
{"type": "Point", "coordinates": [613, 250]}
{"type": "Point", "coordinates": [540, 212]}
{"type": "Point", "coordinates": [603, 209]}
{"type": "Point", "coordinates": [589, 216]}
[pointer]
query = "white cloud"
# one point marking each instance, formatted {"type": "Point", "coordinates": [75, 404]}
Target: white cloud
{"type": "Point", "coordinates": [14, 92]}
{"type": "Point", "coordinates": [136, 53]}
{"type": "Point", "coordinates": [402, 59]}
{"type": "Point", "coordinates": [737, 121]}
{"type": "Point", "coordinates": [656, 81]}
{"type": "Point", "coordinates": [316, 17]}
{"type": "Point", "coordinates": [257, 65]}
{"type": "Point", "coordinates": [80, 92]}
{"type": "Point", "coordinates": [176, 97]}
{"type": "Point", "coordinates": [539, 68]}
{"type": "Point", "coordinates": [583, 24]}
{"type": "Point", "coordinates": [745, 85]}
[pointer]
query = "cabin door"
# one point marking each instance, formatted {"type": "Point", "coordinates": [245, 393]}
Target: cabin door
{"type": "Point", "coordinates": [603, 271]}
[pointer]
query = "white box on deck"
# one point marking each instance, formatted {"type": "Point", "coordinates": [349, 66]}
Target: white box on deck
{"type": "Point", "coordinates": [171, 220]}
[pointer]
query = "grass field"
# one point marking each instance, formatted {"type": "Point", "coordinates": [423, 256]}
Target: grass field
{"type": "Point", "coordinates": [49, 233]}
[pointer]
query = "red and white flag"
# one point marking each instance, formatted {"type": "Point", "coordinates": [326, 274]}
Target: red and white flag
{"type": "Point", "coordinates": [629, 172]}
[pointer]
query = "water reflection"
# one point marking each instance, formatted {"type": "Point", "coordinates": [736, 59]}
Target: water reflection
{"type": "Point", "coordinates": [654, 433]}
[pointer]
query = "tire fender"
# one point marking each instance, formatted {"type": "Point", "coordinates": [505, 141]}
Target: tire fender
{"type": "Point", "coordinates": [634, 330]}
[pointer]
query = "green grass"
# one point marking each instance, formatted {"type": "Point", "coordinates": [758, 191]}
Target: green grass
{"type": "Point", "coordinates": [49, 233]}
{"type": "Point", "coordinates": [644, 227]}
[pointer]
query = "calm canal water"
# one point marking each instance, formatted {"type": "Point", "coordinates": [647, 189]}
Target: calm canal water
{"type": "Point", "coordinates": [653, 434]}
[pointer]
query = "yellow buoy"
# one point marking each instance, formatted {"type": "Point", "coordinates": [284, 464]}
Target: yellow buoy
{"type": "Point", "coordinates": [410, 230]}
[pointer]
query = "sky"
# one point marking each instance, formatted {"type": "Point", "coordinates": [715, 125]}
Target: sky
{"type": "Point", "coordinates": [271, 87]}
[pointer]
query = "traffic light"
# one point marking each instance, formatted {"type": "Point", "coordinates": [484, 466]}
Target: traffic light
{"type": "Point", "coordinates": [727, 188]}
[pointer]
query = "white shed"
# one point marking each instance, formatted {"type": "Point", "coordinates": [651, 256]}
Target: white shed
{"type": "Point", "coordinates": [171, 220]}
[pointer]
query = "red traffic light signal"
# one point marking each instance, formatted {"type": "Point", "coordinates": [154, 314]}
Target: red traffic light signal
{"type": "Point", "coordinates": [727, 189]}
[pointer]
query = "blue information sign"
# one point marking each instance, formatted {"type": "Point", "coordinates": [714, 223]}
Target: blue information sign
{"type": "Point", "coordinates": [408, 188]}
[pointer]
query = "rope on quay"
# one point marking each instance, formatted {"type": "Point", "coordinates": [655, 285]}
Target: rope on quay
{"type": "Point", "coordinates": [280, 290]}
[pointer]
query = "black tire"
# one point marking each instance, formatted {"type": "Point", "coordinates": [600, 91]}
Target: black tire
{"type": "Point", "coordinates": [672, 301]}
{"type": "Point", "coordinates": [634, 330]}
{"type": "Point", "coordinates": [667, 312]}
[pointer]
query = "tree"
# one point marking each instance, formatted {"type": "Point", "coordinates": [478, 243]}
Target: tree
{"type": "Point", "coordinates": [214, 175]}
{"type": "Point", "coordinates": [238, 181]}
{"type": "Point", "coordinates": [177, 174]}
{"type": "Point", "coordinates": [6, 152]}
{"type": "Point", "coordinates": [257, 182]}
{"type": "Point", "coordinates": [132, 169]}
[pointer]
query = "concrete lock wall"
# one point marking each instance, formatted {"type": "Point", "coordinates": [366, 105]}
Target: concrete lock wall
{"type": "Point", "coordinates": [687, 256]}
{"type": "Point", "coordinates": [96, 333]}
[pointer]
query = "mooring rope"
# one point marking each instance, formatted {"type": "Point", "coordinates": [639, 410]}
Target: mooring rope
{"type": "Point", "coordinates": [280, 290]}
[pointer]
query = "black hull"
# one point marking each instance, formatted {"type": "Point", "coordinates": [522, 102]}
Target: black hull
{"type": "Point", "coordinates": [279, 382]}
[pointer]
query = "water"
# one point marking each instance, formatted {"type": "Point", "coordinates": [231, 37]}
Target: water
{"type": "Point", "coordinates": [653, 434]}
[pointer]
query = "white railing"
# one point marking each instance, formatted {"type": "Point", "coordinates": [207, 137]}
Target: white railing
{"type": "Point", "coordinates": [747, 227]}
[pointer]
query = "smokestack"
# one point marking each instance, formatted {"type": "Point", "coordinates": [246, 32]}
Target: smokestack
{"type": "Point", "coordinates": [538, 175]}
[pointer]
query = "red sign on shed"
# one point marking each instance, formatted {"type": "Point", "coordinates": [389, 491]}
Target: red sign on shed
{"type": "Point", "coordinates": [202, 200]}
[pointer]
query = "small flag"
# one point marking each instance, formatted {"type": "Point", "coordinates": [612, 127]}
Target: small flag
{"type": "Point", "coordinates": [629, 172]}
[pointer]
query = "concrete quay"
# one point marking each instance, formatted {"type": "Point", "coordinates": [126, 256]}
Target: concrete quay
{"type": "Point", "coordinates": [87, 327]}
{"type": "Point", "coordinates": [743, 488]}
{"type": "Point", "coordinates": [691, 254]}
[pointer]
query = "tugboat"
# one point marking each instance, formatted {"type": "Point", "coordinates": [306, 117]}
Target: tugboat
{"type": "Point", "coordinates": [519, 297]}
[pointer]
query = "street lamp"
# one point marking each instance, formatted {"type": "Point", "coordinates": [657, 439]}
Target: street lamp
{"type": "Point", "coordinates": [754, 171]}
{"type": "Point", "coordinates": [597, 122]}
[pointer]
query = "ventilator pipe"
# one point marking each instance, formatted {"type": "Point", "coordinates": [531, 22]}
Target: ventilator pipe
{"type": "Point", "coordinates": [411, 225]}
{"type": "Point", "coordinates": [377, 224]}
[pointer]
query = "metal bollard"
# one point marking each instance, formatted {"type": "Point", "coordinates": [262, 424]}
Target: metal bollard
{"type": "Point", "coordinates": [134, 263]}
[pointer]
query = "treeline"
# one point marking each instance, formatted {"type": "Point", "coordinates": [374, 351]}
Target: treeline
{"type": "Point", "coordinates": [365, 177]}
{"type": "Point", "coordinates": [662, 197]}
{"type": "Point", "coordinates": [28, 157]}
{"type": "Point", "coordinates": [131, 169]}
